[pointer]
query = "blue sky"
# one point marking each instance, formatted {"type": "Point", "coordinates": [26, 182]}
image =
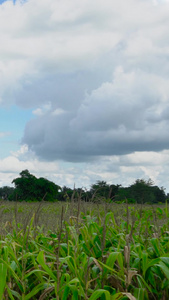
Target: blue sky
{"type": "Point", "coordinates": [13, 120]}
{"type": "Point", "coordinates": [84, 91]}
{"type": "Point", "coordinates": [1, 1]}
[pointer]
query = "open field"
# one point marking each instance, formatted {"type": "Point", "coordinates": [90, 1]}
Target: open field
{"type": "Point", "coordinates": [84, 250]}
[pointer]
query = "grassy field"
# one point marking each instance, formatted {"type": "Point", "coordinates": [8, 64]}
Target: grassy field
{"type": "Point", "coordinates": [83, 250]}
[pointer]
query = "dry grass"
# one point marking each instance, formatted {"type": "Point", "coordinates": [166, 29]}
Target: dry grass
{"type": "Point", "coordinates": [47, 215]}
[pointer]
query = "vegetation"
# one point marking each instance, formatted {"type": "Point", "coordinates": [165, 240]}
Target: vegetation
{"type": "Point", "coordinates": [85, 245]}
{"type": "Point", "coordinates": [143, 192]}
{"type": "Point", "coordinates": [29, 188]}
{"type": "Point", "coordinates": [79, 250]}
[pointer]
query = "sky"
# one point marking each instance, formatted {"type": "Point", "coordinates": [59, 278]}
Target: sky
{"type": "Point", "coordinates": [84, 91]}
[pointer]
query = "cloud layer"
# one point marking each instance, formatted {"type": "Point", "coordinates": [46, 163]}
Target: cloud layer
{"type": "Point", "coordinates": [95, 76]}
{"type": "Point", "coordinates": [103, 66]}
{"type": "Point", "coordinates": [128, 114]}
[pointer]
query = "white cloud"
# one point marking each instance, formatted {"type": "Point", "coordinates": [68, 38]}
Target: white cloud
{"type": "Point", "coordinates": [113, 169]}
{"type": "Point", "coordinates": [40, 111]}
{"type": "Point", "coordinates": [95, 74]}
{"type": "Point", "coordinates": [22, 151]}
{"type": "Point", "coordinates": [46, 36]}
{"type": "Point", "coordinates": [129, 113]}
{"type": "Point", "coordinates": [58, 111]}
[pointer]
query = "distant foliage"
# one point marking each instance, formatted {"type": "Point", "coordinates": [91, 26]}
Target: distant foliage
{"type": "Point", "coordinates": [142, 191]}
{"type": "Point", "coordinates": [6, 192]}
{"type": "Point", "coordinates": [103, 190]}
{"type": "Point", "coordinates": [28, 187]}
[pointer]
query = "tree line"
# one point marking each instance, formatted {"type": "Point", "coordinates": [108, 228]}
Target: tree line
{"type": "Point", "coordinates": [29, 188]}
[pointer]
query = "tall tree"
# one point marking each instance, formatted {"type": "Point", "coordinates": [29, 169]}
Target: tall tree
{"type": "Point", "coordinates": [145, 191]}
{"type": "Point", "coordinates": [28, 187]}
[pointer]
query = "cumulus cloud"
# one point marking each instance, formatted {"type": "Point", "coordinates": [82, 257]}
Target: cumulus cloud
{"type": "Point", "coordinates": [48, 43]}
{"type": "Point", "coordinates": [96, 78]}
{"type": "Point", "coordinates": [105, 67]}
{"type": "Point", "coordinates": [128, 114]}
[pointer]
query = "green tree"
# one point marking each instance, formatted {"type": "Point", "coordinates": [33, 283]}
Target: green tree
{"type": "Point", "coordinates": [146, 192]}
{"type": "Point", "coordinates": [46, 189]}
{"type": "Point", "coordinates": [103, 190]}
{"type": "Point", "coordinates": [25, 186]}
{"type": "Point", "coordinates": [5, 192]}
{"type": "Point", "coordinates": [28, 187]}
{"type": "Point", "coordinates": [159, 194]}
{"type": "Point", "coordinates": [123, 194]}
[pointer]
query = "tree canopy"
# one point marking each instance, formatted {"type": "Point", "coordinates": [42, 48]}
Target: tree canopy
{"type": "Point", "coordinates": [142, 191]}
{"type": "Point", "coordinates": [28, 187]}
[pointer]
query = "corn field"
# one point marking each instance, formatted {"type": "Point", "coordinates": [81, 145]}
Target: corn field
{"type": "Point", "coordinates": [84, 251]}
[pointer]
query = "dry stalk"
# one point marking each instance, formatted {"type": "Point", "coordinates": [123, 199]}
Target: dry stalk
{"type": "Point", "coordinates": [127, 205]}
{"type": "Point", "coordinates": [129, 273]}
{"type": "Point", "coordinates": [156, 234]}
{"type": "Point", "coordinates": [46, 292]}
{"type": "Point", "coordinates": [78, 207]}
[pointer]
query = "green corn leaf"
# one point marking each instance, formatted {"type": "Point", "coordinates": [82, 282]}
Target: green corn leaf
{"type": "Point", "coordinates": [143, 284]}
{"type": "Point", "coordinates": [70, 284]}
{"type": "Point", "coordinates": [164, 268]}
{"type": "Point", "coordinates": [12, 293]}
{"type": "Point", "coordinates": [66, 293]}
{"type": "Point", "coordinates": [110, 262]}
{"type": "Point", "coordinates": [65, 278]}
{"type": "Point", "coordinates": [5, 251]}
{"type": "Point", "coordinates": [153, 262]}
{"type": "Point", "coordinates": [141, 294]}
{"type": "Point", "coordinates": [112, 270]}
{"type": "Point", "coordinates": [3, 274]}
{"type": "Point", "coordinates": [13, 265]}
{"type": "Point", "coordinates": [86, 249]}
{"type": "Point", "coordinates": [45, 248]}
{"type": "Point", "coordinates": [71, 264]}
{"type": "Point", "coordinates": [151, 278]}
{"type": "Point", "coordinates": [41, 261]}
{"type": "Point", "coordinates": [81, 291]}
{"type": "Point", "coordinates": [74, 280]}
{"type": "Point", "coordinates": [97, 294]}
{"type": "Point", "coordinates": [150, 264]}
{"type": "Point", "coordinates": [35, 290]}
{"type": "Point", "coordinates": [117, 296]}
{"type": "Point", "coordinates": [15, 276]}
{"type": "Point", "coordinates": [34, 272]}
{"type": "Point", "coordinates": [109, 216]}
{"type": "Point", "coordinates": [165, 260]}
{"type": "Point", "coordinates": [75, 294]}
{"type": "Point", "coordinates": [144, 262]}
{"type": "Point", "coordinates": [155, 243]}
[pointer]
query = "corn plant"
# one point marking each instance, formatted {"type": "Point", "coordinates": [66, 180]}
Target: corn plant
{"type": "Point", "coordinates": [87, 256]}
